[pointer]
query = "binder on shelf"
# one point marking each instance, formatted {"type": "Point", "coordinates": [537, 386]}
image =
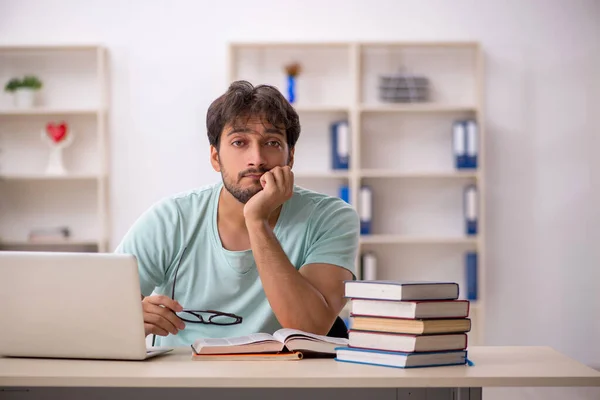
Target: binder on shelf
{"type": "Point", "coordinates": [340, 145]}
{"type": "Point", "coordinates": [368, 267]}
{"type": "Point", "coordinates": [459, 144]}
{"type": "Point", "coordinates": [472, 145]}
{"type": "Point", "coordinates": [471, 275]}
{"type": "Point", "coordinates": [470, 210]}
{"type": "Point", "coordinates": [344, 193]}
{"type": "Point", "coordinates": [365, 209]}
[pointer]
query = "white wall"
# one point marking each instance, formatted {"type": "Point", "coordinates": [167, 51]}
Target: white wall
{"type": "Point", "coordinates": [168, 61]}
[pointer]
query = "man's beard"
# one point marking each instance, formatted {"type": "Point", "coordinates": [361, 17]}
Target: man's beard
{"type": "Point", "coordinates": [242, 195]}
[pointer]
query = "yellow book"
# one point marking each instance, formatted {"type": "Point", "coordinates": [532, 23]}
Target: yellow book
{"type": "Point", "coordinates": [411, 326]}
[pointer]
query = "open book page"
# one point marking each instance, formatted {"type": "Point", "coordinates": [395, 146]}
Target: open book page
{"type": "Point", "coordinates": [233, 341]}
{"type": "Point", "coordinates": [255, 343]}
{"type": "Point", "coordinates": [284, 334]}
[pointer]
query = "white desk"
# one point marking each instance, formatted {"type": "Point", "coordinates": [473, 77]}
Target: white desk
{"type": "Point", "coordinates": [494, 367]}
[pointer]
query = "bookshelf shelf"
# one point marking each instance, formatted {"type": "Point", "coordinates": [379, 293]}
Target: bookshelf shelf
{"type": "Point", "coordinates": [89, 246]}
{"type": "Point", "coordinates": [42, 177]}
{"type": "Point", "coordinates": [45, 49]}
{"type": "Point", "coordinates": [416, 108]}
{"type": "Point", "coordinates": [390, 173]}
{"type": "Point", "coordinates": [424, 240]}
{"type": "Point", "coordinates": [401, 150]}
{"type": "Point", "coordinates": [321, 175]}
{"type": "Point", "coordinates": [49, 243]}
{"type": "Point", "coordinates": [75, 88]}
{"type": "Point", "coordinates": [321, 109]}
{"type": "Point", "coordinates": [49, 111]}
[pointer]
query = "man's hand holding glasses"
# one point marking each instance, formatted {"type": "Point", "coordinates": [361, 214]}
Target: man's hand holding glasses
{"type": "Point", "coordinates": [160, 318]}
{"type": "Point", "coordinates": [159, 315]}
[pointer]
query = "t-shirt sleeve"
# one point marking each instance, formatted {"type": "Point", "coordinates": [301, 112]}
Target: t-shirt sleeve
{"type": "Point", "coordinates": [335, 234]}
{"type": "Point", "coordinates": [152, 240]}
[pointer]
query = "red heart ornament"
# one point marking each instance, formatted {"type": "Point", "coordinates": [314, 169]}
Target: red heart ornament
{"type": "Point", "coordinates": [56, 132]}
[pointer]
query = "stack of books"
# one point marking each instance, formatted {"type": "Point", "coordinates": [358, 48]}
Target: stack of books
{"type": "Point", "coordinates": [412, 324]}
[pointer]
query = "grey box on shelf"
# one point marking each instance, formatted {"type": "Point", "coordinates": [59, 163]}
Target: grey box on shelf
{"type": "Point", "coordinates": [403, 88]}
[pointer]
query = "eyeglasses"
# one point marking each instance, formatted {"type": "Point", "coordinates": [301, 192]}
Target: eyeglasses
{"type": "Point", "coordinates": [209, 317]}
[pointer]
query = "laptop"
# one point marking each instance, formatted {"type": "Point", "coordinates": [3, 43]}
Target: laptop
{"type": "Point", "coordinates": [72, 305]}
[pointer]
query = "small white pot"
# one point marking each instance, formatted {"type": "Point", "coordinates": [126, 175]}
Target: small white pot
{"type": "Point", "coordinates": [24, 97]}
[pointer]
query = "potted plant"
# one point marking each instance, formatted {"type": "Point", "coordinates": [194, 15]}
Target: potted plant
{"type": "Point", "coordinates": [24, 90]}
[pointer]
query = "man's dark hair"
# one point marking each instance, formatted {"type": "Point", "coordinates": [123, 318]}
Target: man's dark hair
{"type": "Point", "coordinates": [243, 100]}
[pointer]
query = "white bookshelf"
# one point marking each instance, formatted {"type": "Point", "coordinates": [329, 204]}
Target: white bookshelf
{"type": "Point", "coordinates": [402, 150]}
{"type": "Point", "coordinates": [75, 88]}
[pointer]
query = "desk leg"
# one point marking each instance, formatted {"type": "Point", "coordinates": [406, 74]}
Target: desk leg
{"type": "Point", "coordinates": [439, 394]}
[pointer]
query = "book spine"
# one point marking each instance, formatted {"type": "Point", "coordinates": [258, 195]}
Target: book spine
{"type": "Point", "coordinates": [340, 145]}
{"type": "Point", "coordinates": [459, 144]}
{"type": "Point", "coordinates": [472, 144]}
{"type": "Point", "coordinates": [344, 193]}
{"type": "Point", "coordinates": [369, 267]}
{"type": "Point", "coordinates": [365, 210]}
{"type": "Point", "coordinates": [470, 210]}
{"type": "Point", "coordinates": [471, 275]}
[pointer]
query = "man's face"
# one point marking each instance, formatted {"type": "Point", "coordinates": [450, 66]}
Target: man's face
{"type": "Point", "coordinates": [248, 149]}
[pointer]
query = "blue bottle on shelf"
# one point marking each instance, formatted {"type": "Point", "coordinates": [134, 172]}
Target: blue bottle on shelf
{"type": "Point", "coordinates": [291, 88]}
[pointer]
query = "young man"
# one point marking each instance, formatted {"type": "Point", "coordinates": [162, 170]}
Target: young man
{"type": "Point", "coordinates": [254, 252]}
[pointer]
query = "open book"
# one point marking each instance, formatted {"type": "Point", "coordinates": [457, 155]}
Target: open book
{"type": "Point", "coordinates": [282, 341]}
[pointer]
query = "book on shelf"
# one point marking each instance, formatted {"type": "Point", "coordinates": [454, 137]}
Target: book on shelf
{"type": "Point", "coordinates": [410, 309]}
{"type": "Point", "coordinates": [471, 274]}
{"type": "Point", "coordinates": [401, 359]}
{"type": "Point", "coordinates": [365, 209]}
{"type": "Point", "coordinates": [411, 326]}
{"type": "Point", "coordinates": [397, 290]}
{"type": "Point", "coordinates": [340, 145]}
{"type": "Point", "coordinates": [405, 342]}
{"type": "Point", "coordinates": [293, 342]}
{"type": "Point", "coordinates": [368, 266]}
{"type": "Point", "coordinates": [58, 233]}
{"type": "Point", "coordinates": [470, 209]}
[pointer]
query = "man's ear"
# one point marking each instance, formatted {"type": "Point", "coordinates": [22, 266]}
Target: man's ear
{"type": "Point", "coordinates": [214, 158]}
{"type": "Point", "coordinates": [291, 157]}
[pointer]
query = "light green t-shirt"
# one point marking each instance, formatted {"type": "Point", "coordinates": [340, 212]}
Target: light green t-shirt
{"type": "Point", "coordinates": [312, 228]}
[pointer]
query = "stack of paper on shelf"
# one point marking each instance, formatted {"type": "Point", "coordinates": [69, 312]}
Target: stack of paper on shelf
{"type": "Point", "coordinates": [406, 324]}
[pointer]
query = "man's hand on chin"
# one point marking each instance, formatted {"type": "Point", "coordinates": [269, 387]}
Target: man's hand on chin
{"type": "Point", "coordinates": [278, 187]}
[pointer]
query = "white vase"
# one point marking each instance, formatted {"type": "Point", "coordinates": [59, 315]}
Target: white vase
{"type": "Point", "coordinates": [55, 162]}
{"type": "Point", "coordinates": [24, 97]}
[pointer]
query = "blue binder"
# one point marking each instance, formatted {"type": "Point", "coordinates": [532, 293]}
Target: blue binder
{"type": "Point", "coordinates": [472, 142]}
{"type": "Point", "coordinates": [470, 210]}
{"type": "Point", "coordinates": [344, 193]}
{"type": "Point", "coordinates": [365, 209]}
{"type": "Point", "coordinates": [459, 144]}
{"type": "Point", "coordinates": [340, 145]}
{"type": "Point", "coordinates": [471, 275]}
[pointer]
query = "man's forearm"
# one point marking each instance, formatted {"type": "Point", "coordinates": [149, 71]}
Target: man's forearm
{"type": "Point", "coordinates": [296, 303]}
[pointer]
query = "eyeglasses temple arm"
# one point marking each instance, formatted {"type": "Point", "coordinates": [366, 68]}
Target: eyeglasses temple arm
{"type": "Point", "coordinates": [176, 271]}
